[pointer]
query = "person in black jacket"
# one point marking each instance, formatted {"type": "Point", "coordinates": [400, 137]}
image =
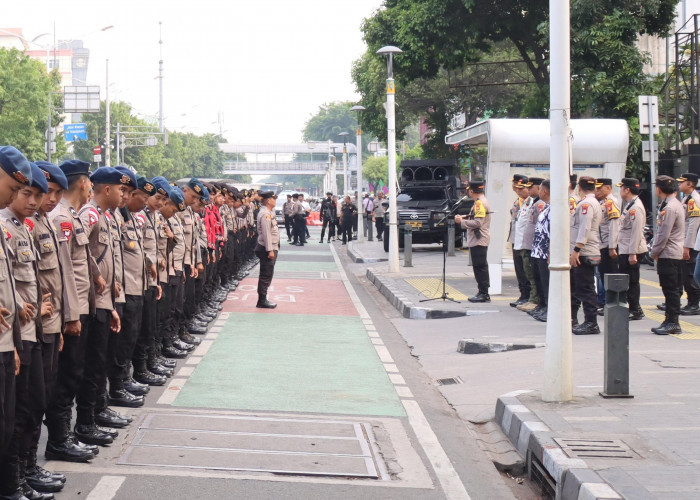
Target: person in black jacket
{"type": "Point", "coordinates": [347, 216]}
{"type": "Point", "coordinates": [328, 213]}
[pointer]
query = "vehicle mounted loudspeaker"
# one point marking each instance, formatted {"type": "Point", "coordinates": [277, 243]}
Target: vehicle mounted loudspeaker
{"type": "Point", "coordinates": [407, 174]}
{"type": "Point", "coordinates": [423, 174]}
{"type": "Point", "coordinates": [440, 174]}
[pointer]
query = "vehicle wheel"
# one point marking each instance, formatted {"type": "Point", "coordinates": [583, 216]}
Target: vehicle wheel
{"type": "Point", "coordinates": [386, 239]}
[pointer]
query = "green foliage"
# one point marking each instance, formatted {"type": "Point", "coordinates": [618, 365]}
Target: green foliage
{"type": "Point", "coordinates": [375, 168]}
{"type": "Point", "coordinates": [330, 120]}
{"type": "Point", "coordinates": [25, 88]}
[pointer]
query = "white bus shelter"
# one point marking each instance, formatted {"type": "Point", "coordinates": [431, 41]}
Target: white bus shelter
{"type": "Point", "coordinates": [521, 146]}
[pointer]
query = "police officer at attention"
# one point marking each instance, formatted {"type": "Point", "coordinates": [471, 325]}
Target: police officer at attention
{"type": "Point", "coordinates": [585, 255]}
{"type": "Point", "coordinates": [687, 184]}
{"type": "Point", "coordinates": [267, 248]}
{"type": "Point", "coordinates": [668, 252]}
{"type": "Point", "coordinates": [477, 224]}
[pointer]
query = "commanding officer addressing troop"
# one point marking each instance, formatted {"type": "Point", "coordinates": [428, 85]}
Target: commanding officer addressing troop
{"type": "Point", "coordinates": [80, 284]}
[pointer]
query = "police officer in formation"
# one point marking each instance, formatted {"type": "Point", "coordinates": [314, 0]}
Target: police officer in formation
{"type": "Point", "coordinates": [99, 298]}
{"type": "Point", "coordinates": [478, 224]}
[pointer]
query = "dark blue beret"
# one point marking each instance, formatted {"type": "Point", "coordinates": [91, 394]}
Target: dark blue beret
{"type": "Point", "coordinates": [196, 185]}
{"type": "Point", "coordinates": [128, 172]}
{"type": "Point", "coordinates": [178, 197]}
{"type": "Point", "coordinates": [162, 185]}
{"type": "Point", "coordinates": [145, 185]}
{"type": "Point", "coordinates": [75, 167]}
{"type": "Point", "coordinates": [205, 194]}
{"type": "Point", "coordinates": [53, 173]}
{"type": "Point", "coordinates": [15, 164]}
{"type": "Point", "coordinates": [39, 179]}
{"type": "Point", "coordinates": [109, 175]}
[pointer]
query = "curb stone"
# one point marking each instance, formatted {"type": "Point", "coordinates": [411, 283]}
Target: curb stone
{"type": "Point", "coordinates": [357, 259]}
{"type": "Point", "coordinates": [405, 306]}
{"type": "Point", "coordinates": [532, 437]}
{"type": "Point", "coordinates": [471, 346]}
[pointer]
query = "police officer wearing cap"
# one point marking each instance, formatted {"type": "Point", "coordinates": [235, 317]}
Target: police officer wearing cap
{"type": "Point", "coordinates": [268, 246]}
{"type": "Point", "coordinates": [287, 208]}
{"type": "Point", "coordinates": [78, 303]}
{"type": "Point", "coordinates": [687, 184]}
{"type": "Point", "coordinates": [519, 183]}
{"type": "Point", "coordinates": [609, 229]}
{"type": "Point", "coordinates": [478, 224]}
{"type": "Point", "coordinates": [15, 172]}
{"type": "Point", "coordinates": [193, 258]}
{"type": "Point", "coordinates": [30, 399]}
{"type": "Point", "coordinates": [630, 242]}
{"type": "Point", "coordinates": [526, 234]}
{"type": "Point", "coordinates": [328, 214]}
{"type": "Point", "coordinates": [667, 250]}
{"type": "Point", "coordinates": [585, 255]}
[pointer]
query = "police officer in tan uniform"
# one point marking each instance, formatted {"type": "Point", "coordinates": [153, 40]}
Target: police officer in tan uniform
{"type": "Point", "coordinates": [631, 245]}
{"type": "Point", "coordinates": [50, 269]}
{"type": "Point", "coordinates": [267, 248]}
{"type": "Point", "coordinates": [108, 186]}
{"type": "Point", "coordinates": [609, 228]}
{"type": "Point", "coordinates": [15, 172]}
{"type": "Point", "coordinates": [687, 184]}
{"type": "Point", "coordinates": [518, 184]}
{"type": "Point", "coordinates": [193, 258]}
{"type": "Point", "coordinates": [585, 255]}
{"type": "Point", "coordinates": [668, 252]}
{"type": "Point", "coordinates": [78, 303]}
{"type": "Point", "coordinates": [478, 224]}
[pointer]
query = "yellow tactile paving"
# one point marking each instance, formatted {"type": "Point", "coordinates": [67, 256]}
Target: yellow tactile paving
{"type": "Point", "coordinates": [690, 331]}
{"type": "Point", "coordinates": [432, 288]}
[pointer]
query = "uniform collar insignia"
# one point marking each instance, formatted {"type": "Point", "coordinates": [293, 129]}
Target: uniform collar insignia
{"type": "Point", "coordinates": [72, 211]}
{"type": "Point", "coordinates": [15, 221]}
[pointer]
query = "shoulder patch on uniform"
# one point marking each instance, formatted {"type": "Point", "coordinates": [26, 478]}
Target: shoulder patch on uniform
{"type": "Point", "coordinates": [479, 209]}
{"type": "Point", "coordinates": [29, 223]}
{"type": "Point", "coordinates": [633, 213]}
{"type": "Point", "coordinates": [8, 236]}
{"type": "Point", "coordinates": [693, 209]}
{"type": "Point", "coordinates": [140, 219]}
{"type": "Point", "coordinates": [267, 216]}
{"type": "Point", "coordinates": [93, 216]}
{"type": "Point", "coordinates": [66, 230]}
{"type": "Point", "coordinates": [584, 208]}
{"type": "Point", "coordinates": [611, 209]}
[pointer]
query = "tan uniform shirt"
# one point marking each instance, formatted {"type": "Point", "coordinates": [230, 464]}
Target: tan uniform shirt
{"type": "Point", "coordinates": [10, 338]}
{"type": "Point", "coordinates": [631, 238]}
{"type": "Point", "coordinates": [585, 227]}
{"type": "Point", "coordinates": [478, 224]}
{"type": "Point", "coordinates": [202, 241]}
{"type": "Point", "coordinates": [177, 256]}
{"type": "Point", "coordinates": [268, 232]}
{"type": "Point", "coordinates": [116, 223]}
{"type": "Point", "coordinates": [146, 221]}
{"type": "Point", "coordinates": [79, 297]}
{"type": "Point", "coordinates": [536, 206]}
{"type": "Point", "coordinates": [670, 232]}
{"type": "Point", "coordinates": [691, 203]}
{"type": "Point", "coordinates": [521, 223]}
{"type": "Point", "coordinates": [514, 210]}
{"type": "Point", "coordinates": [50, 272]}
{"type": "Point", "coordinates": [133, 256]}
{"type": "Point", "coordinates": [610, 222]}
{"type": "Point", "coordinates": [99, 232]}
{"type": "Point", "coordinates": [164, 248]}
{"type": "Point", "coordinates": [23, 259]}
{"type": "Point", "coordinates": [186, 219]}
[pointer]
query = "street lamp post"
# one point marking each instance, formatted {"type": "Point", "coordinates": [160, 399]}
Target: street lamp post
{"type": "Point", "coordinates": [107, 118]}
{"type": "Point", "coordinates": [358, 159]}
{"type": "Point", "coordinates": [344, 135]}
{"type": "Point", "coordinates": [389, 52]}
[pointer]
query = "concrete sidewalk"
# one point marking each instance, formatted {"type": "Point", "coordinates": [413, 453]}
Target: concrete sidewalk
{"type": "Point", "coordinates": [645, 447]}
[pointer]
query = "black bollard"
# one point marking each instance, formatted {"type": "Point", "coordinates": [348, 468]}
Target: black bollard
{"type": "Point", "coordinates": [407, 246]}
{"type": "Point", "coordinates": [616, 329]}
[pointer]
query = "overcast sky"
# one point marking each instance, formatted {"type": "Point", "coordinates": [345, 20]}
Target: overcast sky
{"type": "Point", "coordinates": [267, 64]}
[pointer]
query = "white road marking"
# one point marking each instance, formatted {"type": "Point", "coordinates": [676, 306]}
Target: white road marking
{"type": "Point", "coordinates": [449, 479]}
{"type": "Point", "coordinates": [203, 348]}
{"type": "Point", "coordinates": [373, 334]}
{"type": "Point", "coordinates": [193, 360]}
{"type": "Point", "coordinates": [215, 329]}
{"type": "Point", "coordinates": [445, 472]}
{"type": "Point", "coordinates": [106, 488]}
{"type": "Point", "coordinates": [211, 336]}
{"type": "Point", "coordinates": [397, 379]}
{"type": "Point", "coordinates": [185, 371]}
{"type": "Point", "coordinates": [391, 368]}
{"type": "Point", "coordinates": [377, 341]}
{"type": "Point", "coordinates": [171, 392]}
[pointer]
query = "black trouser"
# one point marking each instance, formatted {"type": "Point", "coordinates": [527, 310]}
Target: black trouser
{"type": "Point", "coordinates": [331, 228]}
{"type": "Point", "coordinates": [354, 223]}
{"type": "Point", "coordinates": [122, 344]}
{"type": "Point", "coordinates": [30, 406]}
{"type": "Point", "coordinates": [689, 284]}
{"type": "Point", "coordinates": [49, 360]}
{"type": "Point", "coordinates": [176, 304]}
{"type": "Point", "coordinates": [202, 277]}
{"type": "Point", "coordinates": [379, 224]}
{"type": "Point", "coordinates": [143, 350]}
{"type": "Point", "coordinates": [95, 366]}
{"type": "Point", "coordinates": [608, 265]}
{"type": "Point", "coordinates": [523, 282]}
{"type": "Point", "coordinates": [671, 279]}
{"type": "Point", "coordinates": [634, 292]}
{"type": "Point", "coordinates": [584, 290]}
{"type": "Point", "coordinates": [266, 272]}
{"type": "Point", "coordinates": [575, 303]}
{"type": "Point", "coordinates": [481, 267]}
{"type": "Point", "coordinates": [212, 271]}
{"type": "Point", "coordinates": [190, 304]}
{"type": "Point", "coordinates": [288, 226]}
{"type": "Point", "coordinates": [541, 269]}
{"type": "Point", "coordinates": [163, 316]}
{"type": "Point", "coordinates": [346, 230]}
{"type": "Point", "coordinates": [299, 229]}
{"type": "Point", "coordinates": [224, 262]}
{"type": "Point", "coordinates": [71, 370]}
{"type": "Point", "coordinates": [7, 398]}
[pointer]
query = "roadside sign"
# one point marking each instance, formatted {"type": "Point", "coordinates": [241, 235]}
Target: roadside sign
{"type": "Point", "coordinates": [97, 158]}
{"type": "Point", "coordinates": [645, 114]}
{"type": "Point", "coordinates": [646, 151]}
{"type": "Point", "coordinates": [75, 132]}
{"type": "Point", "coordinates": [97, 150]}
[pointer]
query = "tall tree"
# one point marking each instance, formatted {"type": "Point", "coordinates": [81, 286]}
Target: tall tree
{"type": "Point", "coordinates": [330, 120]}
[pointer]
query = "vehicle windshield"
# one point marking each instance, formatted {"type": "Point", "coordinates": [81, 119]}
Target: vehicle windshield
{"type": "Point", "coordinates": [421, 195]}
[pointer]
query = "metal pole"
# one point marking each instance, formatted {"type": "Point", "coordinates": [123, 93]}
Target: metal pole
{"type": "Point", "coordinates": [652, 160]}
{"type": "Point", "coordinates": [558, 370]}
{"type": "Point", "coordinates": [345, 168]}
{"type": "Point", "coordinates": [48, 133]}
{"type": "Point", "coordinates": [451, 237]}
{"type": "Point", "coordinates": [407, 246]}
{"type": "Point", "coordinates": [118, 146]}
{"type": "Point", "coordinates": [160, 79]}
{"type": "Point", "coordinates": [391, 145]}
{"type": "Point", "coordinates": [108, 146]}
{"type": "Point", "coordinates": [358, 159]}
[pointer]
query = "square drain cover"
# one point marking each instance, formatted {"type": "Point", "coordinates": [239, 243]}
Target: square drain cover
{"type": "Point", "coordinates": [595, 448]}
{"type": "Point", "coordinates": [260, 444]}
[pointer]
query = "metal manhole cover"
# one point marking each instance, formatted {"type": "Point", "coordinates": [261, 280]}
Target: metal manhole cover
{"type": "Point", "coordinates": [259, 444]}
{"type": "Point", "coordinates": [449, 381]}
{"type": "Point", "coordinates": [595, 448]}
